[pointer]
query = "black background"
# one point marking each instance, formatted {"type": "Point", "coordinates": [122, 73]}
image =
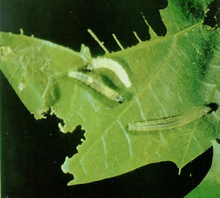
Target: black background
{"type": "Point", "coordinates": [33, 151]}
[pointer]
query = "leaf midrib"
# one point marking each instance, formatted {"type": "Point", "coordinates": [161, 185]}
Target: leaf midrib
{"type": "Point", "coordinates": [174, 42]}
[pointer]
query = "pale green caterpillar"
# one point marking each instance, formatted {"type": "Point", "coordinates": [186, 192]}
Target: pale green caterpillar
{"type": "Point", "coordinates": [172, 122]}
{"type": "Point", "coordinates": [98, 86]}
{"type": "Point", "coordinates": [114, 66]}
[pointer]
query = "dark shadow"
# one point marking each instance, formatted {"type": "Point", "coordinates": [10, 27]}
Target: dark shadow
{"type": "Point", "coordinates": [193, 173]}
{"type": "Point", "coordinates": [212, 17]}
{"type": "Point", "coordinates": [66, 23]}
{"type": "Point", "coordinates": [32, 151]}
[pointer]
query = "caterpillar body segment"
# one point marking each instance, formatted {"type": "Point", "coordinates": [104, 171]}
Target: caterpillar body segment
{"type": "Point", "coordinates": [172, 122]}
{"type": "Point", "coordinates": [114, 66]}
{"type": "Point", "coordinates": [97, 85]}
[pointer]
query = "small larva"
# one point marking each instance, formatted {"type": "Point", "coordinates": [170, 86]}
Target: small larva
{"type": "Point", "coordinates": [98, 63]}
{"type": "Point", "coordinates": [104, 90]}
{"type": "Point", "coordinates": [173, 122]}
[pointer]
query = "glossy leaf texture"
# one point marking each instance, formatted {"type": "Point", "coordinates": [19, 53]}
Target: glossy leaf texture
{"type": "Point", "coordinates": [169, 76]}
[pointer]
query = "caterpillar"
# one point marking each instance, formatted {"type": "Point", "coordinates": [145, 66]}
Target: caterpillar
{"type": "Point", "coordinates": [172, 122]}
{"type": "Point", "coordinates": [95, 84]}
{"type": "Point", "coordinates": [98, 63]}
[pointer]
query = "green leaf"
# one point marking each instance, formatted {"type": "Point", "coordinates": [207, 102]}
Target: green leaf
{"type": "Point", "coordinates": [209, 188]}
{"type": "Point", "coordinates": [170, 76]}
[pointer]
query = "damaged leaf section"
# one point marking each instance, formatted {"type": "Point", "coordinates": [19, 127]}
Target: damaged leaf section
{"type": "Point", "coordinates": [212, 15]}
{"type": "Point", "coordinates": [167, 77]}
{"type": "Point", "coordinates": [31, 66]}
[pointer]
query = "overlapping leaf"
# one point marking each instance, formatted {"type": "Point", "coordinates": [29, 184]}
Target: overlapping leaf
{"type": "Point", "coordinates": [170, 75]}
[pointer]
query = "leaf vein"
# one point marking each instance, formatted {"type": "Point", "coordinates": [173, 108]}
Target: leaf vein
{"type": "Point", "coordinates": [140, 108]}
{"type": "Point", "coordinates": [127, 138]}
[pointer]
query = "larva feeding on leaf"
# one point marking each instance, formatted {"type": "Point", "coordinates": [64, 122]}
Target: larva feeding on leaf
{"type": "Point", "coordinates": [114, 66]}
{"type": "Point", "coordinates": [104, 90]}
{"type": "Point", "coordinates": [172, 122]}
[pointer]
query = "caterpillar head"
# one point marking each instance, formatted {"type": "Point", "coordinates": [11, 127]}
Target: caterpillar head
{"type": "Point", "coordinates": [120, 99]}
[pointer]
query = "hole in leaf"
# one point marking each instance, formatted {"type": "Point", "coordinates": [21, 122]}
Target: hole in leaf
{"type": "Point", "coordinates": [212, 17]}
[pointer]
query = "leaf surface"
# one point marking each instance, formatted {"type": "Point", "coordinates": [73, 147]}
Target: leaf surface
{"type": "Point", "coordinates": [170, 75]}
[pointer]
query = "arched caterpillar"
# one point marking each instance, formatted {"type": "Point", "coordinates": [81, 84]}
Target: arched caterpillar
{"type": "Point", "coordinates": [172, 122]}
{"type": "Point", "coordinates": [114, 66]}
{"type": "Point", "coordinates": [104, 90]}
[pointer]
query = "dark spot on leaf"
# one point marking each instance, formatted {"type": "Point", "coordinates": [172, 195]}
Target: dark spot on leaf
{"type": "Point", "coordinates": [213, 106]}
{"type": "Point", "coordinates": [191, 9]}
{"type": "Point", "coordinates": [207, 53]}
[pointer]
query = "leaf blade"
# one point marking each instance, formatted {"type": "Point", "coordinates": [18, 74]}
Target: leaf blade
{"type": "Point", "coordinates": [167, 80]}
